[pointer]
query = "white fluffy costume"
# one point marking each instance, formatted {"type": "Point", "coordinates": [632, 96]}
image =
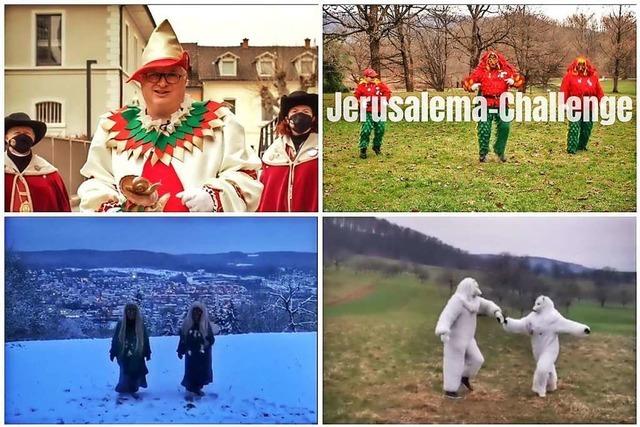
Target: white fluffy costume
{"type": "Point", "coordinates": [457, 327]}
{"type": "Point", "coordinates": [544, 324]}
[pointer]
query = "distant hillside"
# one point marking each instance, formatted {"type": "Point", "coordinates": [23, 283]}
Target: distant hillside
{"type": "Point", "coordinates": [378, 237]}
{"type": "Point", "coordinates": [229, 262]}
{"type": "Point", "coordinates": [547, 265]}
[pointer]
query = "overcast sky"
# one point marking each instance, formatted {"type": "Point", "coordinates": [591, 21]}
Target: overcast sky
{"type": "Point", "coordinates": [560, 12]}
{"type": "Point", "coordinates": [226, 25]}
{"type": "Point", "coordinates": [175, 235]}
{"type": "Point", "coordinates": [591, 241]}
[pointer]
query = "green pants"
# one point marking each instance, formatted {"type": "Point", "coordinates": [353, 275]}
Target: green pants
{"type": "Point", "coordinates": [484, 134]}
{"type": "Point", "coordinates": [365, 132]}
{"type": "Point", "coordinates": [578, 135]}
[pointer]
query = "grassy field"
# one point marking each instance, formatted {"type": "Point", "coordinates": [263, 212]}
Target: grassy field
{"type": "Point", "coordinates": [383, 363]}
{"type": "Point", "coordinates": [428, 166]}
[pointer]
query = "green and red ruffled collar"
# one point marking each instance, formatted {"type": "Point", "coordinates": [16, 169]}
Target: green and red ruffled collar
{"type": "Point", "coordinates": [132, 130]}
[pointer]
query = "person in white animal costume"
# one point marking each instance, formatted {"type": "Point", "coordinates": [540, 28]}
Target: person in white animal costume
{"type": "Point", "coordinates": [456, 328]}
{"type": "Point", "coordinates": [544, 324]}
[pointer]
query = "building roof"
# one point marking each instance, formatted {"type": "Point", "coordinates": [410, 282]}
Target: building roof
{"type": "Point", "coordinates": [204, 60]}
{"type": "Point", "coordinates": [143, 19]}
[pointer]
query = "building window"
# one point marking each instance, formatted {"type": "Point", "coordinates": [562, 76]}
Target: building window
{"type": "Point", "coordinates": [49, 39]}
{"type": "Point", "coordinates": [231, 104]}
{"type": "Point", "coordinates": [228, 67]}
{"type": "Point", "coordinates": [266, 68]}
{"type": "Point", "coordinates": [306, 66]}
{"type": "Point", "coordinates": [49, 112]}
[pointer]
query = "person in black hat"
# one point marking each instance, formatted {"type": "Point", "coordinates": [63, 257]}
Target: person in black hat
{"type": "Point", "coordinates": [31, 184]}
{"type": "Point", "coordinates": [290, 164]}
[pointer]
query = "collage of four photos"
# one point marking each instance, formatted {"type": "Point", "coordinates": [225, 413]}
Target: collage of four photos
{"type": "Point", "coordinates": [320, 213]}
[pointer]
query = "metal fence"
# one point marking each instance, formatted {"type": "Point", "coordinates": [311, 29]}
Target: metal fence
{"type": "Point", "coordinates": [68, 155]}
{"type": "Point", "coordinates": [266, 136]}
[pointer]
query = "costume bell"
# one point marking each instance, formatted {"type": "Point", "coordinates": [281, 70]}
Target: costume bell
{"type": "Point", "coordinates": [492, 77]}
{"type": "Point", "coordinates": [31, 184]}
{"type": "Point", "coordinates": [196, 151]}
{"type": "Point", "coordinates": [290, 164]}
{"type": "Point", "coordinates": [371, 89]}
{"type": "Point", "coordinates": [581, 80]}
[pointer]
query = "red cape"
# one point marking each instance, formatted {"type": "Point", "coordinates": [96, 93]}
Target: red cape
{"type": "Point", "coordinates": [290, 185]}
{"type": "Point", "coordinates": [39, 192]}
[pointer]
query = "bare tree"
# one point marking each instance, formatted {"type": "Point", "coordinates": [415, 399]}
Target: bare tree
{"type": "Point", "coordinates": [620, 25]}
{"type": "Point", "coordinates": [584, 30]}
{"type": "Point", "coordinates": [286, 301]}
{"type": "Point", "coordinates": [402, 19]}
{"type": "Point", "coordinates": [567, 293]}
{"type": "Point", "coordinates": [342, 21]}
{"type": "Point", "coordinates": [482, 29]}
{"type": "Point", "coordinates": [433, 35]}
{"type": "Point", "coordinates": [532, 39]}
{"type": "Point", "coordinates": [269, 102]}
{"type": "Point", "coordinates": [625, 296]}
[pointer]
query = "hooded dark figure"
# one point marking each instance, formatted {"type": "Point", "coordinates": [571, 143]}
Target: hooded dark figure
{"type": "Point", "coordinates": [130, 346]}
{"type": "Point", "coordinates": [196, 341]}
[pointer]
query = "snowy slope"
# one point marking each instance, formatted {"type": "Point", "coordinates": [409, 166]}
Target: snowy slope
{"type": "Point", "coordinates": [258, 378]}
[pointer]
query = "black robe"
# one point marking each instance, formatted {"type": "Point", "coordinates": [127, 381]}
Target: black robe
{"type": "Point", "coordinates": [133, 369]}
{"type": "Point", "coordinates": [197, 364]}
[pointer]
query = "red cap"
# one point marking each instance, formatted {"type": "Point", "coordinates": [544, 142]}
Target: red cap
{"type": "Point", "coordinates": [167, 62]}
{"type": "Point", "coordinates": [370, 72]}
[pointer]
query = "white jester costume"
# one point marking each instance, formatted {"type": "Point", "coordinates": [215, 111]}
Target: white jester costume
{"type": "Point", "coordinates": [544, 324]}
{"type": "Point", "coordinates": [456, 328]}
{"type": "Point", "coordinates": [201, 146]}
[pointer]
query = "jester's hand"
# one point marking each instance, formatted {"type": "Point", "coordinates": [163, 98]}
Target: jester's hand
{"type": "Point", "coordinates": [197, 200]}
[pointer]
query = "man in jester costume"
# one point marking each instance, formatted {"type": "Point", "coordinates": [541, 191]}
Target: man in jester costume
{"type": "Point", "coordinates": [581, 80]}
{"type": "Point", "coordinates": [193, 154]}
{"type": "Point", "coordinates": [371, 89]}
{"type": "Point", "coordinates": [491, 78]}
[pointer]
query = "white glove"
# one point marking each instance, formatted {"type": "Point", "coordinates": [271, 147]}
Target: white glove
{"type": "Point", "coordinates": [500, 318]}
{"type": "Point", "coordinates": [510, 81]}
{"type": "Point", "coordinates": [475, 86]}
{"type": "Point", "coordinates": [444, 338]}
{"type": "Point", "coordinates": [197, 200]}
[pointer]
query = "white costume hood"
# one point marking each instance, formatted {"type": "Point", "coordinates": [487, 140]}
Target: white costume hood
{"type": "Point", "coordinates": [468, 292]}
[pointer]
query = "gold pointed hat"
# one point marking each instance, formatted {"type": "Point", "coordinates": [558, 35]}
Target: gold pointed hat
{"type": "Point", "coordinates": [162, 50]}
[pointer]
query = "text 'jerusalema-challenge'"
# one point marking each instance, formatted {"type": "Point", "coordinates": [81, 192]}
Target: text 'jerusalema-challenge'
{"type": "Point", "coordinates": [517, 107]}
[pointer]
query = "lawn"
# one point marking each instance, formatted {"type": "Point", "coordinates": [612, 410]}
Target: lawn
{"type": "Point", "coordinates": [383, 363]}
{"type": "Point", "coordinates": [433, 167]}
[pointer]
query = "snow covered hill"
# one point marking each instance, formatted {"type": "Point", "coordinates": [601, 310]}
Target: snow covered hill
{"type": "Point", "coordinates": [258, 378]}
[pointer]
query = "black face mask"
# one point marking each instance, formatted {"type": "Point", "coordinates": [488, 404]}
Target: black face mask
{"type": "Point", "coordinates": [301, 122]}
{"type": "Point", "coordinates": [22, 143]}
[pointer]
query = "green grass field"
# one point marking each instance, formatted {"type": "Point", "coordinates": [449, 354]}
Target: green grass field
{"type": "Point", "coordinates": [428, 166]}
{"type": "Point", "coordinates": [383, 363]}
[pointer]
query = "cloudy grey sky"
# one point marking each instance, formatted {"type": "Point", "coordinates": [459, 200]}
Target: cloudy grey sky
{"type": "Point", "coordinates": [560, 12]}
{"type": "Point", "coordinates": [227, 25]}
{"type": "Point", "coordinates": [591, 241]}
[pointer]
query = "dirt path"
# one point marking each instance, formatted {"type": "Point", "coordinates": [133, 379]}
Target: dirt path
{"type": "Point", "coordinates": [351, 296]}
